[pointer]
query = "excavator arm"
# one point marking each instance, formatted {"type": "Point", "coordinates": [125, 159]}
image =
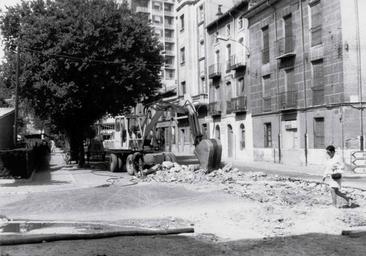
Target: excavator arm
{"type": "Point", "coordinates": [208, 151]}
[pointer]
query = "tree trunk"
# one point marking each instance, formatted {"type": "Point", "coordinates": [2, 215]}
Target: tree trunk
{"type": "Point", "coordinates": [77, 147]}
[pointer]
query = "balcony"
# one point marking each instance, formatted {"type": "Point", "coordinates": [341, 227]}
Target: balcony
{"type": "Point", "coordinates": [239, 104]}
{"type": "Point", "coordinates": [169, 66]}
{"type": "Point", "coordinates": [285, 47]}
{"type": "Point", "coordinates": [237, 62]}
{"type": "Point", "coordinates": [214, 108]}
{"type": "Point", "coordinates": [288, 100]}
{"type": "Point", "coordinates": [169, 53]}
{"type": "Point", "coordinates": [214, 71]}
{"type": "Point", "coordinates": [169, 13]}
{"type": "Point", "coordinates": [141, 9]}
{"type": "Point", "coordinates": [169, 39]}
{"type": "Point", "coordinates": [169, 26]}
{"type": "Point", "coordinates": [267, 104]}
{"type": "Point", "coordinates": [318, 95]}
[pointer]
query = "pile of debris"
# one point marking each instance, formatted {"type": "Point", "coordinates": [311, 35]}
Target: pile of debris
{"type": "Point", "coordinates": [257, 186]}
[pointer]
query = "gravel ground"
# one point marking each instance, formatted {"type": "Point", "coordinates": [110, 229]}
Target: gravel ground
{"type": "Point", "coordinates": [233, 213]}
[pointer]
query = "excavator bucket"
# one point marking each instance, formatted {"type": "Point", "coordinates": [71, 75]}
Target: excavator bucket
{"type": "Point", "coordinates": [209, 152]}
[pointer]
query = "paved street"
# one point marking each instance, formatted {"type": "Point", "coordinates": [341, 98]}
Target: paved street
{"type": "Point", "coordinates": [224, 223]}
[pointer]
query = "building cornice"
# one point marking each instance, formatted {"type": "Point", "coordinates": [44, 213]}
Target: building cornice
{"type": "Point", "coordinates": [186, 3]}
{"type": "Point", "coordinates": [261, 6]}
{"type": "Point", "coordinates": [227, 15]}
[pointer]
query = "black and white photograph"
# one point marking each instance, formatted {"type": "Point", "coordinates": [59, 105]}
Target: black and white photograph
{"type": "Point", "coordinates": [182, 127]}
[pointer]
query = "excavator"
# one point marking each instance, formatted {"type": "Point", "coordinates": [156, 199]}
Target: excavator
{"type": "Point", "coordinates": [131, 148]}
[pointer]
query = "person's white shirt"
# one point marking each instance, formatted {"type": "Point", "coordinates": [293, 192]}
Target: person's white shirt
{"type": "Point", "coordinates": [334, 165]}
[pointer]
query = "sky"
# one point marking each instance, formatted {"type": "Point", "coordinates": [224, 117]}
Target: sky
{"type": "Point", "coordinates": [4, 3]}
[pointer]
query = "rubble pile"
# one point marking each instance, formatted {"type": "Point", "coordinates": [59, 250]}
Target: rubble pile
{"type": "Point", "coordinates": [256, 186]}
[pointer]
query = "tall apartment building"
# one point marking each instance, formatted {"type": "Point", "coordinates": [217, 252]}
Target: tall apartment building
{"type": "Point", "coordinates": [192, 17]}
{"type": "Point", "coordinates": [161, 15]}
{"type": "Point", "coordinates": [228, 59]}
{"type": "Point", "coordinates": [307, 78]}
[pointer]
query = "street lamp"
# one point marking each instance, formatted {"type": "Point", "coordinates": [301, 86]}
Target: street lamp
{"type": "Point", "coordinates": [223, 38]}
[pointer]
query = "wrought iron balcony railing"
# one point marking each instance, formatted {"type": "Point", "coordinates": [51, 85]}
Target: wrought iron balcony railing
{"type": "Point", "coordinates": [267, 104]}
{"type": "Point", "coordinates": [237, 62]}
{"type": "Point", "coordinates": [288, 100]}
{"type": "Point", "coordinates": [239, 104]}
{"type": "Point", "coordinates": [214, 108]}
{"type": "Point", "coordinates": [285, 47]}
{"type": "Point", "coordinates": [318, 95]}
{"type": "Point", "coordinates": [265, 55]}
{"type": "Point", "coordinates": [214, 71]}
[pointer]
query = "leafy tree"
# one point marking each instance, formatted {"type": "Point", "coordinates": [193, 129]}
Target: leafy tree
{"type": "Point", "coordinates": [80, 60]}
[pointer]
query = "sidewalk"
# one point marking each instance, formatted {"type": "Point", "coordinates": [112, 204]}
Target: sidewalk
{"type": "Point", "coordinates": [61, 177]}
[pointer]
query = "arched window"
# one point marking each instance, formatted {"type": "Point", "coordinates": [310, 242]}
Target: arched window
{"type": "Point", "coordinates": [217, 132]}
{"type": "Point", "coordinates": [242, 136]}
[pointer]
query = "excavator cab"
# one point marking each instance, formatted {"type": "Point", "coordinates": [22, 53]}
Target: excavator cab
{"type": "Point", "coordinates": [208, 151]}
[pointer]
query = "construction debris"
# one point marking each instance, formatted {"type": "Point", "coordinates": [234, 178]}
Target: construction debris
{"type": "Point", "coordinates": [258, 186]}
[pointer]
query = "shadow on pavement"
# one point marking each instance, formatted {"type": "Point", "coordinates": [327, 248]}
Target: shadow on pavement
{"type": "Point", "coordinates": [308, 244]}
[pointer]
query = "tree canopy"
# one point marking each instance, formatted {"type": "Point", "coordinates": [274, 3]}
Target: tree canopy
{"type": "Point", "coordinates": [80, 59]}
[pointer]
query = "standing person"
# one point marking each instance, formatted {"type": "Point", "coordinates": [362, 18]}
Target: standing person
{"type": "Point", "coordinates": [334, 170]}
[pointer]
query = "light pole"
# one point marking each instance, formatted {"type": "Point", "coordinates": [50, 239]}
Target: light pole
{"type": "Point", "coordinates": [223, 38]}
{"type": "Point", "coordinates": [15, 126]}
{"type": "Point", "coordinates": [359, 78]}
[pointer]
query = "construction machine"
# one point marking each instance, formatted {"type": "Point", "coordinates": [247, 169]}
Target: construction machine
{"type": "Point", "coordinates": [132, 146]}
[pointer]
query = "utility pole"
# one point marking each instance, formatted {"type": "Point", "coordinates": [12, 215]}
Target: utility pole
{"type": "Point", "coordinates": [359, 78]}
{"type": "Point", "coordinates": [15, 132]}
{"type": "Point", "coordinates": [304, 82]}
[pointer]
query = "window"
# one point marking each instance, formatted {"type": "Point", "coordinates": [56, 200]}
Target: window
{"type": "Point", "coordinates": [287, 20]}
{"type": "Point", "coordinates": [319, 132]}
{"type": "Point", "coordinates": [158, 32]}
{"type": "Point", "coordinates": [228, 30]}
{"type": "Point", "coordinates": [204, 131]}
{"type": "Point", "coordinates": [228, 91]}
{"type": "Point", "coordinates": [267, 135]}
{"type": "Point", "coordinates": [157, 6]}
{"type": "Point", "coordinates": [228, 51]}
{"type": "Point", "coordinates": [216, 36]}
{"type": "Point", "coordinates": [267, 93]}
{"type": "Point", "coordinates": [168, 7]}
{"type": "Point", "coordinates": [290, 84]}
{"type": "Point", "coordinates": [201, 13]}
{"type": "Point", "coordinates": [265, 43]}
{"type": "Point", "coordinates": [203, 85]}
{"type": "Point", "coordinates": [169, 60]}
{"type": "Point", "coordinates": [318, 82]}
{"type": "Point", "coordinates": [169, 20]}
{"type": "Point", "coordinates": [169, 74]}
{"type": "Point", "coordinates": [169, 46]}
{"type": "Point", "coordinates": [217, 57]}
{"type": "Point", "coordinates": [182, 55]}
{"type": "Point", "coordinates": [316, 23]}
{"type": "Point", "coordinates": [217, 132]}
{"type": "Point", "coordinates": [267, 85]}
{"type": "Point", "coordinates": [240, 23]}
{"type": "Point", "coordinates": [169, 33]}
{"type": "Point", "coordinates": [242, 136]}
{"type": "Point", "coordinates": [183, 87]}
{"type": "Point", "coordinates": [202, 49]}
{"type": "Point", "coordinates": [240, 87]}
{"type": "Point", "coordinates": [181, 22]}
{"type": "Point", "coordinates": [157, 19]}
